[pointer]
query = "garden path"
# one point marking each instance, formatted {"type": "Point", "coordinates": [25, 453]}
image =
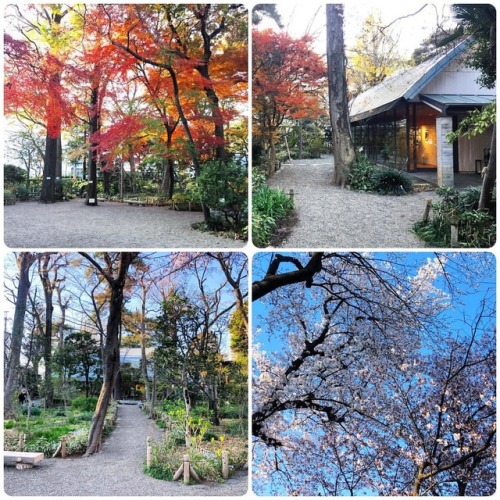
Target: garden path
{"type": "Point", "coordinates": [115, 471]}
{"type": "Point", "coordinates": [72, 225]}
{"type": "Point", "coordinates": [331, 217]}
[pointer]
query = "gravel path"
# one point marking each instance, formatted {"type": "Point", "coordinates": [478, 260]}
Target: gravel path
{"type": "Point", "coordinates": [332, 217]}
{"type": "Point", "coordinates": [73, 225]}
{"type": "Point", "coordinates": [115, 471]}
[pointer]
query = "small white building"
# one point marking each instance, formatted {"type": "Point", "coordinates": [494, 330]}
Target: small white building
{"type": "Point", "coordinates": [403, 122]}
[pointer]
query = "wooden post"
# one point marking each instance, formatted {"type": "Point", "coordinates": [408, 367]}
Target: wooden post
{"type": "Point", "coordinates": [63, 447]}
{"type": "Point", "coordinates": [193, 474]}
{"type": "Point", "coordinates": [427, 209]}
{"type": "Point", "coordinates": [22, 441]}
{"type": "Point", "coordinates": [186, 469]}
{"type": "Point", "coordinates": [291, 194]}
{"type": "Point", "coordinates": [225, 464]}
{"type": "Point", "coordinates": [179, 472]}
{"type": "Point", "coordinates": [149, 453]}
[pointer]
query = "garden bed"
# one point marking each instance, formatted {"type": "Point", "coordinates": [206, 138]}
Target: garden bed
{"type": "Point", "coordinates": [207, 444]}
{"type": "Point", "coordinates": [43, 430]}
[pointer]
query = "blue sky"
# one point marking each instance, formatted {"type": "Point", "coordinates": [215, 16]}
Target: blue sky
{"type": "Point", "coordinates": [467, 283]}
{"type": "Point", "coordinates": [471, 298]}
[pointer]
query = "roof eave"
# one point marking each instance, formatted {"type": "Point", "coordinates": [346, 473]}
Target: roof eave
{"type": "Point", "coordinates": [418, 86]}
{"type": "Point", "coordinates": [375, 111]}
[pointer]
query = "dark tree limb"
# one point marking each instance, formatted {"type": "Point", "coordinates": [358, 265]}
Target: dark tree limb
{"type": "Point", "coordinates": [303, 274]}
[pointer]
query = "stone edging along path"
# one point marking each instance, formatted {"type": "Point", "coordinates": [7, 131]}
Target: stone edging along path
{"type": "Point", "coordinates": [115, 471]}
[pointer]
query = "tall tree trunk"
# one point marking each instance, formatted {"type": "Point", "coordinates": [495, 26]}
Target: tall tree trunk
{"type": "Point", "coordinates": [343, 147]}
{"type": "Point", "coordinates": [191, 144]}
{"type": "Point", "coordinates": [63, 305]}
{"type": "Point", "coordinates": [167, 182]}
{"type": "Point", "coordinates": [213, 99]}
{"type": "Point", "coordinates": [187, 407]}
{"type": "Point", "coordinates": [153, 394]}
{"type": "Point", "coordinates": [59, 172]}
{"type": "Point", "coordinates": [84, 162]}
{"type": "Point", "coordinates": [271, 168]}
{"type": "Point", "coordinates": [111, 357]}
{"type": "Point", "coordinates": [300, 140]}
{"type": "Point", "coordinates": [53, 138]}
{"type": "Point", "coordinates": [489, 179]}
{"type": "Point", "coordinates": [48, 292]}
{"type": "Point", "coordinates": [213, 403]}
{"type": "Point", "coordinates": [24, 261]}
{"type": "Point", "coordinates": [144, 361]}
{"type": "Point", "coordinates": [168, 178]}
{"type": "Point", "coordinates": [94, 125]}
{"type": "Point", "coordinates": [48, 191]}
{"type": "Point", "coordinates": [192, 150]}
{"type": "Point", "coordinates": [87, 381]}
{"type": "Point", "coordinates": [133, 172]}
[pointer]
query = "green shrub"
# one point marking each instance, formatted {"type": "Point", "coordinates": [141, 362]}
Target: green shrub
{"type": "Point", "coordinates": [159, 471]}
{"type": "Point", "coordinates": [85, 404]}
{"type": "Point", "coordinates": [13, 174]}
{"type": "Point", "coordinates": [165, 460]}
{"type": "Point", "coordinates": [314, 148]}
{"type": "Point", "coordinates": [361, 175]}
{"type": "Point", "coordinates": [365, 176]}
{"type": "Point", "coordinates": [183, 198]}
{"type": "Point", "coordinates": [9, 197]}
{"type": "Point", "coordinates": [269, 207]}
{"type": "Point", "coordinates": [23, 193]}
{"type": "Point", "coordinates": [34, 412]}
{"type": "Point", "coordinates": [476, 229]}
{"type": "Point", "coordinates": [231, 411]}
{"type": "Point", "coordinates": [86, 416]}
{"type": "Point", "coordinates": [469, 198]}
{"type": "Point", "coordinates": [262, 229]}
{"type": "Point", "coordinates": [207, 464]}
{"type": "Point", "coordinates": [176, 436]}
{"type": "Point", "coordinates": [9, 424]}
{"type": "Point", "coordinates": [258, 178]}
{"type": "Point", "coordinates": [77, 441]}
{"type": "Point", "coordinates": [282, 157]}
{"type": "Point", "coordinates": [223, 187]}
{"type": "Point", "coordinates": [391, 181]}
{"type": "Point", "coordinates": [236, 427]}
{"type": "Point", "coordinates": [43, 445]}
{"type": "Point", "coordinates": [161, 424]}
{"type": "Point", "coordinates": [209, 436]}
{"type": "Point", "coordinates": [175, 409]}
